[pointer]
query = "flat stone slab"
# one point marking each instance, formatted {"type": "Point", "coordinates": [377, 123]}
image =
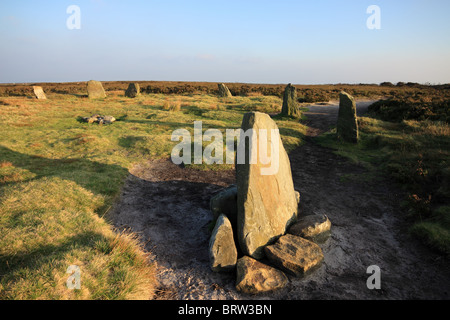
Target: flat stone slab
{"type": "Point", "coordinates": [316, 228]}
{"type": "Point", "coordinates": [295, 255]}
{"type": "Point", "coordinates": [254, 277]}
{"type": "Point", "coordinates": [225, 202]}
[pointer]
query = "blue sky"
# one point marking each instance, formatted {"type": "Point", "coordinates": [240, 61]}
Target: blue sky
{"type": "Point", "coordinates": [255, 41]}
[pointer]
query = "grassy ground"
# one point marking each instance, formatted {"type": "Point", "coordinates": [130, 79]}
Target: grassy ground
{"type": "Point", "coordinates": [59, 177]}
{"type": "Point", "coordinates": [417, 155]}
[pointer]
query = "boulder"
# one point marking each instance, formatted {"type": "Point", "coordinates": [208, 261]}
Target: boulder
{"type": "Point", "coordinates": [99, 119]}
{"type": "Point", "coordinates": [253, 277]}
{"type": "Point", "coordinates": [347, 126]}
{"type": "Point", "coordinates": [267, 204]}
{"type": "Point", "coordinates": [290, 106]}
{"type": "Point", "coordinates": [295, 255]}
{"type": "Point", "coordinates": [224, 91]}
{"type": "Point", "coordinates": [222, 250]}
{"type": "Point", "coordinates": [39, 93]}
{"type": "Point", "coordinates": [95, 90]}
{"type": "Point", "coordinates": [225, 202]}
{"type": "Point", "coordinates": [133, 90]}
{"type": "Point", "coordinates": [316, 228]}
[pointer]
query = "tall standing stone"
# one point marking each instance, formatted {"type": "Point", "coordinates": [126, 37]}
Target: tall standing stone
{"type": "Point", "coordinates": [290, 106]}
{"type": "Point", "coordinates": [347, 126]}
{"type": "Point", "coordinates": [267, 204]}
{"type": "Point", "coordinates": [224, 91]}
{"type": "Point", "coordinates": [39, 93]}
{"type": "Point", "coordinates": [133, 90]}
{"type": "Point", "coordinates": [95, 90]}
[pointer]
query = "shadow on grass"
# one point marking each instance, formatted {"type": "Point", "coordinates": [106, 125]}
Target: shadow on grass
{"type": "Point", "coordinates": [97, 177]}
{"type": "Point", "coordinates": [43, 254]}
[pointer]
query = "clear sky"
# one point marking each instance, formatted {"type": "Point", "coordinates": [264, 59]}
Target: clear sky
{"type": "Point", "coordinates": [255, 41]}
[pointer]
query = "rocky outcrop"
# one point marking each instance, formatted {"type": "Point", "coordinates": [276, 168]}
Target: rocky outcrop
{"type": "Point", "coordinates": [267, 204]}
{"type": "Point", "coordinates": [347, 126]}
{"type": "Point", "coordinates": [253, 277]}
{"type": "Point", "coordinates": [295, 255]}
{"type": "Point", "coordinates": [95, 90]}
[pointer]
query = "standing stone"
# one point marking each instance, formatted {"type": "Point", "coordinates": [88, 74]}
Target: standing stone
{"type": "Point", "coordinates": [95, 90]}
{"type": "Point", "coordinates": [295, 255]}
{"type": "Point", "coordinates": [224, 91]}
{"type": "Point", "coordinates": [222, 250]}
{"type": "Point", "coordinates": [253, 277]}
{"type": "Point", "coordinates": [39, 93]}
{"type": "Point", "coordinates": [347, 126]}
{"type": "Point", "coordinates": [133, 90]}
{"type": "Point", "coordinates": [267, 204]}
{"type": "Point", "coordinates": [290, 106]}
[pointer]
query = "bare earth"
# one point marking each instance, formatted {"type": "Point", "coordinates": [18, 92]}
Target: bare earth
{"type": "Point", "coordinates": [168, 207]}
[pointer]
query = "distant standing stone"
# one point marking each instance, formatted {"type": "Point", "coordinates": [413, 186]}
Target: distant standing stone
{"type": "Point", "coordinates": [95, 90]}
{"type": "Point", "coordinates": [290, 106]}
{"type": "Point", "coordinates": [133, 90]}
{"type": "Point", "coordinates": [295, 255]}
{"type": "Point", "coordinates": [224, 91]}
{"type": "Point", "coordinates": [253, 277]}
{"type": "Point", "coordinates": [39, 93]}
{"type": "Point", "coordinates": [347, 126]}
{"type": "Point", "coordinates": [222, 248]}
{"type": "Point", "coordinates": [267, 204]}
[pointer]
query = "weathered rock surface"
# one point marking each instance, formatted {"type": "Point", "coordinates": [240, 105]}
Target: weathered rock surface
{"type": "Point", "coordinates": [295, 255]}
{"type": "Point", "coordinates": [224, 91]}
{"type": "Point", "coordinates": [225, 202]}
{"type": "Point", "coordinates": [347, 126]}
{"type": "Point", "coordinates": [290, 106]}
{"type": "Point", "coordinates": [316, 228]}
{"type": "Point", "coordinates": [253, 277]}
{"type": "Point", "coordinates": [222, 249]}
{"type": "Point", "coordinates": [39, 93]}
{"type": "Point", "coordinates": [267, 204]}
{"type": "Point", "coordinates": [133, 90]}
{"type": "Point", "coordinates": [95, 90]}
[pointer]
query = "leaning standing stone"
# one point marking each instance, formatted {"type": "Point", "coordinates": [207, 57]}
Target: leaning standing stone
{"type": "Point", "coordinates": [347, 126]}
{"type": "Point", "coordinates": [39, 93]}
{"type": "Point", "coordinates": [290, 106]}
{"type": "Point", "coordinates": [295, 255]}
{"type": "Point", "coordinates": [253, 277]}
{"type": "Point", "coordinates": [224, 91]}
{"type": "Point", "coordinates": [267, 203]}
{"type": "Point", "coordinates": [222, 248]}
{"type": "Point", "coordinates": [133, 90]}
{"type": "Point", "coordinates": [95, 90]}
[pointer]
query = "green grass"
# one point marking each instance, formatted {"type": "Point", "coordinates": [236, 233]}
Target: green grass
{"type": "Point", "coordinates": [60, 176]}
{"type": "Point", "coordinates": [416, 154]}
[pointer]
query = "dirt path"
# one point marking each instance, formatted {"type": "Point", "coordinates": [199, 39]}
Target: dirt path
{"type": "Point", "coordinates": [169, 208]}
